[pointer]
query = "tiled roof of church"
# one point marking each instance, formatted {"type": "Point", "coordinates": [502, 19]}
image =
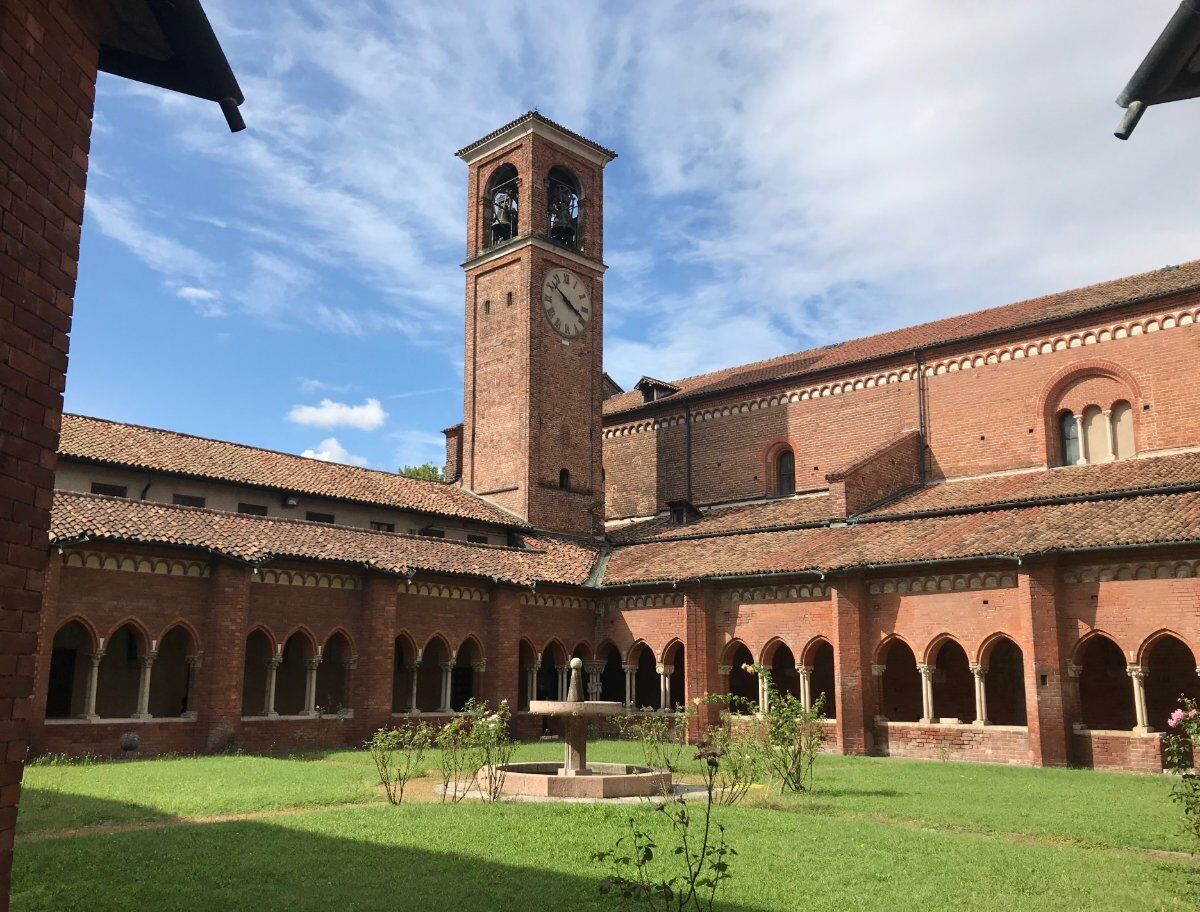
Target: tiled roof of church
{"type": "Point", "coordinates": [788, 511]}
{"type": "Point", "coordinates": [534, 115]}
{"type": "Point", "coordinates": [1128, 290]}
{"type": "Point", "coordinates": [257, 540]}
{"type": "Point", "coordinates": [134, 446]}
{"type": "Point", "coordinates": [1017, 532]}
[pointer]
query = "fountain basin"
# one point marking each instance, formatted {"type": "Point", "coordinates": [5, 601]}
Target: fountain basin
{"type": "Point", "coordinates": [596, 780]}
{"type": "Point", "coordinates": [575, 708]}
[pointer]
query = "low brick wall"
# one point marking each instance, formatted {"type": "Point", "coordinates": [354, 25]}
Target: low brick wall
{"type": "Point", "coordinates": [987, 744]}
{"type": "Point", "coordinates": [160, 736]}
{"type": "Point", "coordinates": [1119, 750]}
{"type": "Point", "coordinates": [298, 734]}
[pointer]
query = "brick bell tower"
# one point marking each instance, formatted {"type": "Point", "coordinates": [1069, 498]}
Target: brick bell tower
{"type": "Point", "coordinates": [534, 321]}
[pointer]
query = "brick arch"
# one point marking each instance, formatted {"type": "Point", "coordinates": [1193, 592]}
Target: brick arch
{"type": "Point", "coordinates": [1084, 641]}
{"type": "Point", "coordinates": [345, 634]}
{"type": "Point", "coordinates": [882, 647]}
{"type": "Point", "coordinates": [307, 634]}
{"type": "Point", "coordinates": [193, 636]}
{"type": "Point", "coordinates": [805, 656]}
{"type": "Point", "coordinates": [139, 631]}
{"type": "Point", "coordinates": [733, 646]}
{"type": "Point", "coordinates": [984, 652]}
{"type": "Point", "coordinates": [583, 649]}
{"type": "Point", "coordinates": [272, 642]}
{"type": "Point", "coordinates": [470, 641]}
{"type": "Point", "coordinates": [767, 653]}
{"type": "Point", "coordinates": [1143, 651]}
{"type": "Point", "coordinates": [1054, 399]}
{"type": "Point", "coordinates": [557, 650]}
{"type": "Point", "coordinates": [525, 647]}
{"type": "Point", "coordinates": [88, 628]}
{"type": "Point", "coordinates": [935, 645]}
{"type": "Point", "coordinates": [674, 646]}
{"type": "Point", "coordinates": [634, 651]}
{"type": "Point", "coordinates": [769, 455]}
{"type": "Point", "coordinates": [438, 639]}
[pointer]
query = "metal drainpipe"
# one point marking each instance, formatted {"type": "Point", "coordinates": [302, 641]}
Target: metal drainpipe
{"type": "Point", "coordinates": [687, 424]}
{"type": "Point", "coordinates": [922, 419]}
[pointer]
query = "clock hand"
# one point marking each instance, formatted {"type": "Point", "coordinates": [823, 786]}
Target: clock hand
{"type": "Point", "coordinates": [567, 301]}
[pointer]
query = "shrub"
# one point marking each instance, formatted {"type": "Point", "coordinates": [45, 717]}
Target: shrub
{"type": "Point", "coordinates": [398, 753]}
{"type": "Point", "coordinates": [662, 736]}
{"type": "Point", "coordinates": [735, 743]}
{"type": "Point", "coordinates": [1178, 747]}
{"type": "Point", "coordinates": [492, 744]}
{"type": "Point", "coordinates": [790, 735]}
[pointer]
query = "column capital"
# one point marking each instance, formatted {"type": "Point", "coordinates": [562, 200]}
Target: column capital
{"type": "Point", "coordinates": [978, 670]}
{"type": "Point", "coordinates": [805, 671]}
{"type": "Point", "coordinates": [1137, 672]}
{"type": "Point", "coordinates": [594, 667]}
{"type": "Point", "coordinates": [878, 670]}
{"type": "Point", "coordinates": [196, 659]}
{"type": "Point", "coordinates": [274, 662]}
{"type": "Point", "coordinates": [479, 667]}
{"type": "Point", "coordinates": [448, 666]}
{"type": "Point", "coordinates": [566, 667]}
{"type": "Point", "coordinates": [414, 665]}
{"type": "Point", "coordinates": [313, 663]}
{"type": "Point", "coordinates": [630, 668]}
{"type": "Point", "coordinates": [665, 670]}
{"type": "Point", "coordinates": [926, 671]}
{"type": "Point", "coordinates": [1073, 670]}
{"type": "Point", "coordinates": [351, 663]}
{"type": "Point", "coordinates": [148, 659]}
{"type": "Point", "coordinates": [723, 670]}
{"type": "Point", "coordinates": [96, 656]}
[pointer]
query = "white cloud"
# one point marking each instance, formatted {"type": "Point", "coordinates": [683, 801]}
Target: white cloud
{"type": "Point", "coordinates": [126, 222]}
{"type": "Point", "coordinates": [311, 385]}
{"type": "Point", "coordinates": [206, 301]}
{"type": "Point", "coordinates": [366, 417]}
{"type": "Point", "coordinates": [329, 450]}
{"type": "Point", "coordinates": [419, 447]}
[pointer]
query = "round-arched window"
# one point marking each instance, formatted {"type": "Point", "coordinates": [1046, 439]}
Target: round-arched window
{"type": "Point", "coordinates": [501, 206]}
{"type": "Point", "coordinates": [785, 472]}
{"type": "Point", "coordinates": [562, 205]}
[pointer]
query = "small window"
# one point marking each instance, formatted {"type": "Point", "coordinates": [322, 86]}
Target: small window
{"type": "Point", "coordinates": [564, 479]}
{"type": "Point", "coordinates": [678, 515]}
{"type": "Point", "coordinates": [318, 517]}
{"type": "Point", "coordinates": [1069, 434]}
{"type": "Point", "coordinates": [1122, 429]}
{"type": "Point", "coordinates": [477, 539]}
{"type": "Point", "coordinates": [382, 527]}
{"type": "Point", "coordinates": [187, 500]}
{"type": "Point", "coordinates": [785, 472]}
{"type": "Point", "coordinates": [109, 490]}
{"type": "Point", "coordinates": [432, 533]}
{"type": "Point", "coordinates": [252, 509]}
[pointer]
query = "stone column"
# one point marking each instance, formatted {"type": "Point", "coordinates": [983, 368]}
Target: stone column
{"type": "Point", "coordinates": [415, 670]}
{"type": "Point", "coordinates": [1110, 445]}
{"type": "Point", "coordinates": [764, 694]}
{"type": "Point", "coordinates": [981, 717]}
{"type": "Point", "coordinates": [348, 683]}
{"type": "Point", "coordinates": [564, 680]}
{"type": "Point", "coordinates": [143, 701]}
{"type": "Point", "coordinates": [310, 685]}
{"type": "Point", "coordinates": [273, 664]}
{"type": "Point", "coordinates": [1083, 444]}
{"type": "Point", "coordinates": [805, 685]}
{"type": "Point", "coordinates": [447, 672]}
{"type": "Point", "coordinates": [594, 670]}
{"type": "Point", "coordinates": [664, 686]}
{"type": "Point", "coordinates": [531, 680]}
{"type": "Point", "coordinates": [195, 662]}
{"type": "Point", "coordinates": [926, 672]}
{"type": "Point", "coordinates": [1138, 675]}
{"type": "Point", "coordinates": [89, 699]}
{"type": "Point", "coordinates": [630, 684]}
{"type": "Point", "coordinates": [877, 673]}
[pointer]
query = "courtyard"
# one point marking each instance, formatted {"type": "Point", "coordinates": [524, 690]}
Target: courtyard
{"type": "Point", "coordinates": [311, 831]}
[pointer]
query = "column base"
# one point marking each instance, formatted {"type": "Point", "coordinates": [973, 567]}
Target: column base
{"type": "Point", "coordinates": [1143, 730]}
{"type": "Point", "coordinates": [141, 717]}
{"type": "Point", "coordinates": [981, 722]}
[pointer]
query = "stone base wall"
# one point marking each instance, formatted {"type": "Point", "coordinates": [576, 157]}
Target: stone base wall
{"type": "Point", "coordinates": [161, 736]}
{"type": "Point", "coordinates": [987, 744]}
{"type": "Point", "coordinates": [1119, 750]}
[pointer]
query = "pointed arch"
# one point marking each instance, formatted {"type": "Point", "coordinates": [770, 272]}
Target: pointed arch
{"type": "Point", "coordinates": [1169, 665]}
{"type": "Point", "coordinates": [807, 654]}
{"type": "Point", "coordinates": [554, 651]}
{"type": "Point", "coordinates": [120, 672]}
{"type": "Point", "coordinates": [953, 681]}
{"type": "Point", "coordinates": [1085, 641]}
{"type": "Point", "coordinates": [93, 636]}
{"type": "Point", "coordinates": [742, 683]}
{"type": "Point", "coordinates": [261, 649]}
{"type": "Point", "coordinates": [674, 657]}
{"type": "Point", "coordinates": [900, 684]}
{"type": "Point", "coordinates": [302, 634]}
{"type": "Point", "coordinates": [404, 654]}
{"type": "Point", "coordinates": [669, 651]}
{"type": "Point", "coordinates": [935, 646]}
{"type": "Point", "coordinates": [74, 642]}
{"type": "Point", "coordinates": [264, 631]}
{"type": "Point", "coordinates": [1105, 688]}
{"type": "Point", "coordinates": [1143, 651]}
{"type": "Point", "coordinates": [582, 650]}
{"type": "Point", "coordinates": [434, 654]}
{"type": "Point", "coordinates": [345, 635]}
{"type": "Point", "coordinates": [141, 634]}
{"type": "Point", "coordinates": [612, 677]}
{"type": "Point", "coordinates": [884, 646]}
{"type": "Point", "coordinates": [470, 650]}
{"type": "Point", "coordinates": [1003, 665]}
{"type": "Point", "coordinates": [647, 689]}
{"type": "Point", "coordinates": [189, 630]}
{"type": "Point", "coordinates": [171, 673]}
{"type": "Point", "coordinates": [334, 672]}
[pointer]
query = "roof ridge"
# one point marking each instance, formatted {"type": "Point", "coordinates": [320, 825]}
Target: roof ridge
{"type": "Point", "coordinates": [287, 520]}
{"type": "Point", "coordinates": [256, 449]}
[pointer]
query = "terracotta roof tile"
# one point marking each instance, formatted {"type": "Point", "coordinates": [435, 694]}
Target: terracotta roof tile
{"type": "Point", "coordinates": [257, 540]}
{"type": "Point", "coordinates": [132, 445]}
{"type": "Point", "coordinates": [1145, 520]}
{"type": "Point", "coordinates": [790, 511]}
{"type": "Point", "coordinates": [534, 115]}
{"type": "Point", "coordinates": [1130, 289]}
{"type": "Point", "coordinates": [1147, 473]}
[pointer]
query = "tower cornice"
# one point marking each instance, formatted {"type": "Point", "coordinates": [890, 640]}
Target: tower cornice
{"type": "Point", "coordinates": [533, 122]}
{"type": "Point", "coordinates": [500, 251]}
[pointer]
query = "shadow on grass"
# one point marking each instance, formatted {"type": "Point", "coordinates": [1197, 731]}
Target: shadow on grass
{"type": "Point", "coordinates": [49, 808]}
{"type": "Point", "coordinates": [387, 858]}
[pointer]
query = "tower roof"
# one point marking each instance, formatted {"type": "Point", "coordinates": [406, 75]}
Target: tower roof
{"type": "Point", "coordinates": [527, 123]}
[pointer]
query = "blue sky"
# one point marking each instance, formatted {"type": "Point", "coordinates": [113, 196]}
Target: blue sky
{"type": "Point", "coordinates": [790, 174]}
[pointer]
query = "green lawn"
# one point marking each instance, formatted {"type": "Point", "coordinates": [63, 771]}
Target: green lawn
{"type": "Point", "coordinates": [877, 834]}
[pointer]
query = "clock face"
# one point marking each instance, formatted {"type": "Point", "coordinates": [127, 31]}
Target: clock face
{"type": "Point", "coordinates": [566, 302]}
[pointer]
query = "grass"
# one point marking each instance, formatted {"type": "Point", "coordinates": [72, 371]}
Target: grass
{"type": "Point", "coordinates": [877, 834]}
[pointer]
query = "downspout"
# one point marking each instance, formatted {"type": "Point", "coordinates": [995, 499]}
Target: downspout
{"type": "Point", "coordinates": [687, 424]}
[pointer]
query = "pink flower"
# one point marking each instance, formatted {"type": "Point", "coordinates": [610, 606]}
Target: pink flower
{"type": "Point", "coordinates": [1175, 718]}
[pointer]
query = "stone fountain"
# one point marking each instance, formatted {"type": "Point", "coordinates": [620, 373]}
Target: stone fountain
{"type": "Point", "coordinates": [575, 777]}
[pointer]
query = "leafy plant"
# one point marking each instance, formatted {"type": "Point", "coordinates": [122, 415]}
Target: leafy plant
{"type": "Point", "coordinates": [426, 471]}
{"type": "Point", "coordinates": [456, 759]}
{"type": "Point", "coordinates": [397, 753]}
{"type": "Point", "coordinates": [1179, 745]}
{"type": "Point", "coordinates": [492, 742]}
{"type": "Point", "coordinates": [737, 745]}
{"type": "Point", "coordinates": [663, 737]}
{"type": "Point", "coordinates": [702, 861]}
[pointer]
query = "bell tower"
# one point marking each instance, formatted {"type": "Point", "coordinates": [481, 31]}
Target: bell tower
{"type": "Point", "coordinates": [534, 321]}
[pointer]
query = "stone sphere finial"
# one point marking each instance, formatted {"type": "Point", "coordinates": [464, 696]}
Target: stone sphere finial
{"type": "Point", "coordinates": [576, 663]}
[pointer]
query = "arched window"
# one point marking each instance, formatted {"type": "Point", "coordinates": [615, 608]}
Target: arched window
{"type": "Point", "coordinates": [564, 479]}
{"type": "Point", "coordinates": [562, 205]}
{"type": "Point", "coordinates": [785, 472]}
{"type": "Point", "coordinates": [501, 208]}
{"type": "Point", "coordinates": [1068, 432]}
{"type": "Point", "coordinates": [1095, 435]}
{"type": "Point", "coordinates": [1122, 429]}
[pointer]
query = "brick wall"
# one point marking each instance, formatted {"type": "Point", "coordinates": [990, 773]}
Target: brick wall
{"type": "Point", "coordinates": [989, 744]}
{"type": "Point", "coordinates": [1118, 750]}
{"type": "Point", "coordinates": [880, 475]}
{"type": "Point", "coordinates": [48, 56]}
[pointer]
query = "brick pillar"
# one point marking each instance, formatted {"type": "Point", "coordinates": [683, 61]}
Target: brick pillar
{"type": "Point", "coordinates": [220, 710]}
{"type": "Point", "coordinates": [700, 654]}
{"type": "Point", "coordinates": [850, 670]}
{"type": "Point", "coordinates": [1045, 703]}
{"type": "Point", "coordinates": [48, 55]}
{"type": "Point", "coordinates": [502, 677]}
{"type": "Point", "coordinates": [372, 678]}
{"type": "Point", "coordinates": [46, 629]}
